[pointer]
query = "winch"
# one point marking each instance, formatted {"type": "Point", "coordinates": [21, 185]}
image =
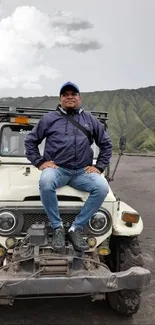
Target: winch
{"type": "Point", "coordinates": [38, 235]}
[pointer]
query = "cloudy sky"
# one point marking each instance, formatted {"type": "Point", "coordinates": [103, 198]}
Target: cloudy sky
{"type": "Point", "coordinates": [98, 44]}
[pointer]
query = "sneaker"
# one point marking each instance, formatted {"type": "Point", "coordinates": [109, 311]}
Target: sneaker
{"type": "Point", "coordinates": [58, 239]}
{"type": "Point", "coordinates": [77, 240]}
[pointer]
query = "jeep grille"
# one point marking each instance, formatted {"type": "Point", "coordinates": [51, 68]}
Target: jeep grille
{"type": "Point", "coordinates": [30, 218]}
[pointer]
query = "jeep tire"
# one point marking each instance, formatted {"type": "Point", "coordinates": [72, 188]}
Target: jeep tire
{"type": "Point", "coordinates": [125, 253]}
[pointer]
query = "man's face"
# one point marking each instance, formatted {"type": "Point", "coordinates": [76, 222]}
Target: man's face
{"type": "Point", "coordinates": [70, 99]}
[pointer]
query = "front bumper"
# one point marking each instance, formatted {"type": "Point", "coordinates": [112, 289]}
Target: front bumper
{"type": "Point", "coordinates": [92, 282]}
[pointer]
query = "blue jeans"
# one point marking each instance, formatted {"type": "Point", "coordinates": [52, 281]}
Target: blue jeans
{"type": "Point", "coordinates": [52, 178]}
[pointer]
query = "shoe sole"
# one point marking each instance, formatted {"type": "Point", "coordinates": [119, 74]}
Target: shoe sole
{"type": "Point", "coordinates": [56, 249]}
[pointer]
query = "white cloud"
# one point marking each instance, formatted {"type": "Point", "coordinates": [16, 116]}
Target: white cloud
{"type": "Point", "coordinates": [1, 10]}
{"type": "Point", "coordinates": [31, 85]}
{"type": "Point", "coordinates": [25, 38]}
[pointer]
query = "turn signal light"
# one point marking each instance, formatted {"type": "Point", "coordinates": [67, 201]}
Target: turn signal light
{"type": "Point", "coordinates": [91, 242]}
{"type": "Point", "coordinates": [130, 217]}
{"type": "Point", "coordinates": [2, 251]}
{"type": "Point", "coordinates": [104, 251]}
{"type": "Point", "coordinates": [21, 120]}
{"type": "Point", "coordinates": [11, 242]}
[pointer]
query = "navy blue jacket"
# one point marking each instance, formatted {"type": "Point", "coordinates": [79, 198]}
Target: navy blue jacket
{"type": "Point", "coordinates": [65, 144]}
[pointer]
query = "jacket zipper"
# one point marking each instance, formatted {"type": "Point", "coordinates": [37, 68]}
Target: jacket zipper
{"type": "Point", "coordinates": [75, 136]}
{"type": "Point", "coordinates": [74, 144]}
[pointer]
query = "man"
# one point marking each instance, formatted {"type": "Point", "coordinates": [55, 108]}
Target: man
{"type": "Point", "coordinates": [67, 160]}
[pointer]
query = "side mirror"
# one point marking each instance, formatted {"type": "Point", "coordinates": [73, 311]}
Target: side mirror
{"type": "Point", "coordinates": [122, 143]}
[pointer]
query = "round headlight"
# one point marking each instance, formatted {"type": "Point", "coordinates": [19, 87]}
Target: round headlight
{"type": "Point", "coordinates": [99, 223]}
{"type": "Point", "coordinates": [7, 221]}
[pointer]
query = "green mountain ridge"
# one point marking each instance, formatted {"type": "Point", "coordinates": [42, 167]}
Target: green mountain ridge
{"type": "Point", "coordinates": [131, 112]}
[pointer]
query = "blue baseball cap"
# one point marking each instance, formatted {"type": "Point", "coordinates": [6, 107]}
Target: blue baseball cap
{"type": "Point", "coordinates": [69, 85]}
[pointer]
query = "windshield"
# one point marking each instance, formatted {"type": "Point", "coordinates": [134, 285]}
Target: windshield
{"type": "Point", "coordinates": [12, 140]}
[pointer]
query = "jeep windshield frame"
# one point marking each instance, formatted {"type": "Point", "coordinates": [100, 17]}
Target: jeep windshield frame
{"type": "Point", "coordinates": [33, 115]}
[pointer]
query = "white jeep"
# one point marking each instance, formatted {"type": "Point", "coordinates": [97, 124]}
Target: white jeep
{"type": "Point", "coordinates": [112, 268]}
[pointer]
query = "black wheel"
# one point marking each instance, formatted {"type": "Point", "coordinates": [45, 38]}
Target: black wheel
{"type": "Point", "coordinates": [126, 253]}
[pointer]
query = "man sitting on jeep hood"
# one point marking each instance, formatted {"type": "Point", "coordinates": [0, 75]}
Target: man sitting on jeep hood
{"type": "Point", "coordinates": [67, 160]}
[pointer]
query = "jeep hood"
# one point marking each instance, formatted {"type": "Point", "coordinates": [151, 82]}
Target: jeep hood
{"type": "Point", "coordinates": [16, 186]}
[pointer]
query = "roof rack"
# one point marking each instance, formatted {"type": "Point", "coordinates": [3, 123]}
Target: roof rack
{"type": "Point", "coordinates": [98, 114]}
{"type": "Point", "coordinates": [7, 112]}
{"type": "Point", "coordinates": [102, 117]}
{"type": "Point", "coordinates": [34, 114]}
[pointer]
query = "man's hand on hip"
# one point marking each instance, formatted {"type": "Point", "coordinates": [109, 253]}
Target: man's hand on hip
{"type": "Point", "coordinates": [91, 169]}
{"type": "Point", "coordinates": [48, 164]}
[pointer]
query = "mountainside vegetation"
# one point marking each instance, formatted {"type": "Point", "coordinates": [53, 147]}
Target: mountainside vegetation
{"type": "Point", "coordinates": [130, 112]}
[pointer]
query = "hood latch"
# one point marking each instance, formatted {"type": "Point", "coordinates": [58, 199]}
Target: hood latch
{"type": "Point", "coordinates": [27, 171]}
